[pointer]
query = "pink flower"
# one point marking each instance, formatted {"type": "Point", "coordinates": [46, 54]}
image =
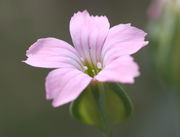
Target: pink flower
{"type": "Point", "coordinates": [100, 53]}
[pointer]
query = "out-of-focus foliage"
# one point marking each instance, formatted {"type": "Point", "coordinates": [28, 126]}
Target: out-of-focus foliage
{"type": "Point", "coordinates": [164, 31]}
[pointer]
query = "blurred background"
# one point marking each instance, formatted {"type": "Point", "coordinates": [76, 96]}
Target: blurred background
{"type": "Point", "coordinates": [24, 111]}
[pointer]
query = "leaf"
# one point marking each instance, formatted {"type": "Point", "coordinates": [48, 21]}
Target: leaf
{"type": "Point", "coordinates": [102, 105]}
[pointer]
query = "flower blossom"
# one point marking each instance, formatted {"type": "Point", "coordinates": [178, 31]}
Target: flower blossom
{"type": "Point", "coordinates": [100, 53]}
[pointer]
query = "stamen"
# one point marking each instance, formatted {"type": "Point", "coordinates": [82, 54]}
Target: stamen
{"type": "Point", "coordinates": [99, 65]}
{"type": "Point", "coordinates": [85, 67]}
{"type": "Point", "coordinates": [93, 71]}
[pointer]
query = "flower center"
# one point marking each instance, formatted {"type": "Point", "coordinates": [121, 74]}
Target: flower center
{"type": "Point", "coordinates": [92, 69]}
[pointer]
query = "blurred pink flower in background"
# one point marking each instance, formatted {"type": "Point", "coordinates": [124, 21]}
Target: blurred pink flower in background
{"type": "Point", "coordinates": [155, 9]}
{"type": "Point", "coordinates": [100, 53]}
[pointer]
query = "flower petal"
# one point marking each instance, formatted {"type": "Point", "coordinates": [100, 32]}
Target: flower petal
{"type": "Point", "coordinates": [88, 34]}
{"type": "Point", "coordinates": [65, 85]}
{"type": "Point", "coordinates": [52, 53]}
{"type": "Point", "coordinates": [122, 39]}
{"type": "Point", "coordinates": [122, 70]}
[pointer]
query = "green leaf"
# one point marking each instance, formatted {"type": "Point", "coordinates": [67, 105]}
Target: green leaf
{"type": "Point", "coordinates": [102, 105]}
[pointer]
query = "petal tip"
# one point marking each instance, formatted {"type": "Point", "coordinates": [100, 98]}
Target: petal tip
{"type": "Point", "coordinates": [80, 13]}
{"type": "Point", "coordinates": [85, 11]}
{"type": "Point", "coordinates": [25, 61]}
{"type": "Point", "coordinates": [146, 43]}
{"type": "Point", "coordinates": [55, 105]}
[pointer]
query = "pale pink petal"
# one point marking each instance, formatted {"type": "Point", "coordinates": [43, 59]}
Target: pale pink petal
{"type": "Point", "coordinates": [65, 85]}
{"type": "Point", "coordinates": [52, 53]}
{"type": "Point", "coordinates": [88, 34]}
{"type": "Point", "coordinates": [122, 39]}
{"type": "Point", "coordinates": [122, 70]}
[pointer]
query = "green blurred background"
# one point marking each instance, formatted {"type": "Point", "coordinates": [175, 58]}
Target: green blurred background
{"type": "Point", "coordinates": [24, 111]}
